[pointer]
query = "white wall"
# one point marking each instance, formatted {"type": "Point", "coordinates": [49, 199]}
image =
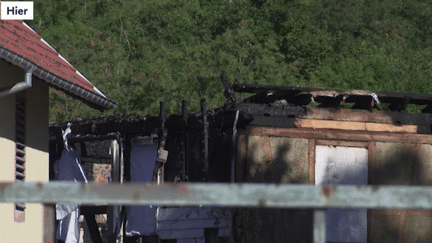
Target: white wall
{"type": "Point", "coordinates": [37, 157]}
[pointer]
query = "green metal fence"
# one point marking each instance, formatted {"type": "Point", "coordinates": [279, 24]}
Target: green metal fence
{"type": "Point", "coordinates": [317, 197]}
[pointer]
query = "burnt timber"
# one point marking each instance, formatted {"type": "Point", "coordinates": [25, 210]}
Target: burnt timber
{"type": "Point", "coordinates": [211, 145]}
{"type": "Point", "coordinates": [268, 106]}
{"type": "Point", "coordinates": [195, 136]}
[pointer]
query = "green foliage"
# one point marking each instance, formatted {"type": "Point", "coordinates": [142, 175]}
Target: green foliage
{"type": "Point", "coordinates": [141, 52]}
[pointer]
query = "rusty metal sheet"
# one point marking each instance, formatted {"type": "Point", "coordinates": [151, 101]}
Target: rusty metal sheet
{"type": "Point", "coordinates": [222, 194]}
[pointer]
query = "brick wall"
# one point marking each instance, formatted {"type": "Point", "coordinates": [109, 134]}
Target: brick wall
{"type": "Point", "coordinates": [101, 173]}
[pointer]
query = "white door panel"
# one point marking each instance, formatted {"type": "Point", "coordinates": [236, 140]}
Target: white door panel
{"type": "Point", "coordinates": [347, 166]}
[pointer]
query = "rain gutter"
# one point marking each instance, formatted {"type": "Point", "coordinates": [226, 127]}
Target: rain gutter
{"type": "Point", "coordinates": [100, 101]}
{"type": "Point", "coordinates": [21, 86]}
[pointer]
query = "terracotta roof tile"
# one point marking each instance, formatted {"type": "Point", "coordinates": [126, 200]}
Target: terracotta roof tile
{"type": "Point", "coordinates": [19, 41]}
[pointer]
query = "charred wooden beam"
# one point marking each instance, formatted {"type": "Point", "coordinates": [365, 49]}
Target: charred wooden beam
{"type": "Point", "coordinates": [123, 124]}
{"type": "Point", "coordinates": [234, 146]}
{"type": "Point", "coordinates": [80, 139]}
{"type": "Point", "coordinates": [229, 91]}
{"type": "Point", "coordinates": [162, 130]}
{"type": "Point", "coordinates": [331, 102]}
{"type": "Point", "coordinates": [427, 109]}
{"type": "Point", "coordinates": [263, 98]}
{"type": "Point", "coordinates": [365, 103]}
{"type": "Point", "coordinates": [272, 121]}
{"type": "Point", "coordinates": [162, 153]}
{"type": "Point", "coordinates": [386, 97]}
{"type": "Point", "coordinates": [272, 110]}
{"type": "Point", "coordinates": [93, 228]}
{"type": "Point", "coordinates": [93, 210]}
{"type": "Point", "coordinates": [257, 88]}
{"type": "Point", "coordinates": [184, 142]}
{"type": "Point", "coordinates": [399, 105]}
{"type": "Point", "coordinates": [300, 99]}
{"type": "Point", "coordinates": [206, 137]}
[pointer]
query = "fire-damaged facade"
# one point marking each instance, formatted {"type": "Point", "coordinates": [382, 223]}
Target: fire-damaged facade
{"type": "Point", "coordinates": [282, 135]}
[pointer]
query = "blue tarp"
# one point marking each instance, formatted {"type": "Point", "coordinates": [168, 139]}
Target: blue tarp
{"type": "Point", "coordinates": [68, 168]}
{"type": "Point", "coordinates": [140, 220]}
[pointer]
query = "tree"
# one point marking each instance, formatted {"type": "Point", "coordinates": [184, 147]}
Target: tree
{"type": "Point", "coordinates": [142, 52]}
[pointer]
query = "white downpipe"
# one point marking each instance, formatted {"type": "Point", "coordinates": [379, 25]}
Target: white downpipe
{"type": "Point", "coordinates": [21, 86]}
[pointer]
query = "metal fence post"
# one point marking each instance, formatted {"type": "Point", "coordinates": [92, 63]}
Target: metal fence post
{"type": "Point", "coordinates": [319, 227]}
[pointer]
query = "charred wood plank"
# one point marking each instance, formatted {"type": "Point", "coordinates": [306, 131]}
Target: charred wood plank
{"type": "Point", "coordinates": [229, 91]}
{"type": "Point", "coordinates": [93, 210]}
{"type": "Point", "coordinates": [300, 99]}
{"type": "Point", "coordinates": [365, 103]}
{"type": "Point", "coordinates": [256, 88]}
{"type": "Point", "coordinates": [272, 110]}
{"type": "Point", "coordinates": [331, 102]}
{"type": "Point", "coordinates": [427, 109]}
{"type": "Point", "coordinates": [206, 137]}
{"type": "Point", "coordinates": [263, 98]}
{"type": "Point", "coordinates": [399, 105]}
{"type": "Point", "coordinates": [424, 129]}
{"type": "Point", "coordinates": [273, 121]}
{"type": "Point", "coordinates": [184, 143]}
{"type": "Point", "coordinates": [385, 97]}
{"type": "Point", "coordinates": [93, 228]}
